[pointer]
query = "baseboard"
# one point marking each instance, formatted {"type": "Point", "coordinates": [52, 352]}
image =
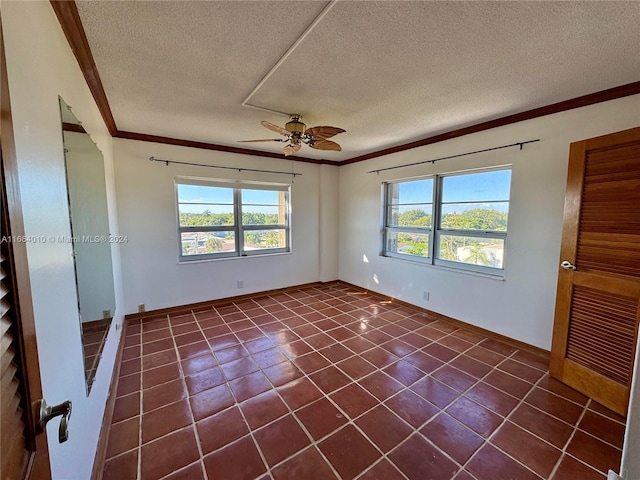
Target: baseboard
{"type": "Point", "coordinates": [221, 301]}
{"type": "Point", "coordinates": [103, 439]}
{"type": "Point", "coordinates": [458, 323]}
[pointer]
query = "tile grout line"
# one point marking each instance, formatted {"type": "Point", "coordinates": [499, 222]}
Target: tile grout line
{"type": "Point", "coordinates": [141, 393]}
{"type": "Point", "coordinates": [355, 354]}
{"type": "Point", "coordinates": [573, 433]}
{"type": "Point", "coordinates": [459, 396]}
{"type": "Point", "coordinates": [327, 397]}
{"type": "Point", "coordinates": [184, 384]}
{"type": "Point", "coordinates": [139, 470]}
{"type": "Point", "coordinates": [314, 443]}
{"type": "Point", "coordinates": [504, 421]}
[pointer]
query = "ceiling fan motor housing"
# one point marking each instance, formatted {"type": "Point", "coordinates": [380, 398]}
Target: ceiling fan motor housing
{"type": "Point", "coordinates": [295, 125]}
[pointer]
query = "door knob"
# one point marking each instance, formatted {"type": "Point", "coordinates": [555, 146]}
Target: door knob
{"type": "Point", "coordinates": [46, 413]}
{"type": "Point", "coordinates": [568, 265]}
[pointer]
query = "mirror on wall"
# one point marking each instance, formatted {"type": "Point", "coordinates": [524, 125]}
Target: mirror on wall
{"type": "Point", "coordinates": [88, 215]}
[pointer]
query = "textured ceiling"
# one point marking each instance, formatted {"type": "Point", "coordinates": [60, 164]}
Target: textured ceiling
{"type": "Point", "coordinates": [388, 72]}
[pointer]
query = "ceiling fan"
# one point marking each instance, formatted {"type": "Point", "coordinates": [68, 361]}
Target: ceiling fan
{"type": "Point", "coordinates": [296, 133]}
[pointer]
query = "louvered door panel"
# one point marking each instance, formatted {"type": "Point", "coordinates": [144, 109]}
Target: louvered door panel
{"type": "Point", "coordinates": [14, 451]}
{"type": "Point", "coordinates": [597, 306]}
{"type": "Point", "coordinates": [602, 329]}
{"type": "Point", "coordinates": [609, 236]}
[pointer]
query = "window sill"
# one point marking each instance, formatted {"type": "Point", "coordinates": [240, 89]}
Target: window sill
{"type": "Point", "coordinates": [501, 278]}
{"type": "Point", "coordinates": [223, 259]}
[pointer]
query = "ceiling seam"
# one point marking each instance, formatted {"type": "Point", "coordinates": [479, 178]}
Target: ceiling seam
{"type": "Point", "coordinates": [283, 58]}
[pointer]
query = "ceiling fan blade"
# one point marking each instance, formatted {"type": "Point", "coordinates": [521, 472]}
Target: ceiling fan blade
{"type": "Point", "coordinates": [291, 149]}
{"type": "Point", "coordinates": [275, 128]}
{"type": "Point", "coordinates": [262, 140]}
{"type": "Point", "coordinates": [326, 145]}
{"type": "Point", "coordinates": [323, 132]}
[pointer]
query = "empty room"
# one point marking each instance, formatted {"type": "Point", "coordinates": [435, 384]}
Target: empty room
{"type": "Point", "coordinates": [320, 240]}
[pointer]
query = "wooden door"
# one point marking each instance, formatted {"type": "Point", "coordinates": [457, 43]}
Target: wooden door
{"type": "Point", "coordinates": [598, 299]}
{"type": "Point", "coordinates": [23, 454]}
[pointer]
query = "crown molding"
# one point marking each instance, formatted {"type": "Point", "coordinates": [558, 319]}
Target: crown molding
{"type": "Point", "coordinates": [583, 101]}
{"type": "Point", "coordinates": [143, 137]}
{"type": "Point", "coordinates": [69, 18]}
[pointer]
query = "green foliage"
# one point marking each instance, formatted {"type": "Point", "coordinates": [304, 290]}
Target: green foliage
{"type": "Point", "coordinates": [471, 250]}
{"type": "Point", "coordinates": [414, 218]}
{"type": "Point", "coordinates": [262, 238]}
{"type": "Point", "coordinates": [209, 219]}
{"type": "Point", "coordinates": [253, 238]}
{"type": "Point", "coordinates": [272, 239]}
{"type": "Point", "coordinates": [414, 244]}
{"type": "Point", "coordinates": [476, 219]}
{"type": "Point", "coordinates": [259, 218]}
{"type": "Point", "coordinates": [212, 245]}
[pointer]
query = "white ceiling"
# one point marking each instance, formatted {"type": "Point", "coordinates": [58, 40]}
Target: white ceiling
{"type": "Point", "coordinates": [388, 72]}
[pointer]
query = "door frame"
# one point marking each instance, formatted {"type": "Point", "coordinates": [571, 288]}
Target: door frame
{"type": "Point", "coordinates": [38, 466]}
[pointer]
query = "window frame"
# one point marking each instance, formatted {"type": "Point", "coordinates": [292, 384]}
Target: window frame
{"type": "Point", "coordinates": [436, 231]}
{"type": "Point", "coordinates": [387, 228]}
{"type": "Point", "coordinates": [238, 228]}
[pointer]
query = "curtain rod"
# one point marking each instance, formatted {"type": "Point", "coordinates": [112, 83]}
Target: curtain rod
{"type": "Point", "coordinates": [167, 162]}
{"type": "Point", "coordinates": [517, 144]}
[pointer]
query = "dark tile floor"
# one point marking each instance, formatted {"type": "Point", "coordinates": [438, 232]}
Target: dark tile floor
{"type": "Point", "coordinates": [333, 382]}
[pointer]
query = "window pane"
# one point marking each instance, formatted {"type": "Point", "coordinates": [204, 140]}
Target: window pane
{"type": "Point", "coordinates": [416, 191]}
{"type": "Point", "coordinates": [409, 215]}
{"type": "Point", "coordinates": [193, 214]}
{"type": "Point", "coordinates": [488, 252]}
{"type": "Point", "coordinates": [475, 216]}
{"type": "Point", "coordinates": [408, 243]}
{"type": "Point", "coordinates": [261, 197]}
{"type": "Point", "coordinates": [259, 215]}
{"type": "Point", "coordinates": [262, 239]}
{"type": "Point", "coordinates": [202, 243]}
{"type": "Point", "coordinates": [475, 187]}
{"type": "Point", "coordinates": [204, 194]}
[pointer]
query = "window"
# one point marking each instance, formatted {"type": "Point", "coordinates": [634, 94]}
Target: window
{"type": "Point", "coordinates": [231, 219]}
{"type": "Point", "coordinates": [457, 220]}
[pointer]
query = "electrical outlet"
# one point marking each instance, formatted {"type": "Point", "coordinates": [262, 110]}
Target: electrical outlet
{"type": "Point", "coordinates": [425, 296]}
{"type": "Point", "coordinates": [141, 308]}
{"type": "Point", "coordinates": [106, 314]}
{"type": "Point", "coordinates": [240, 283]}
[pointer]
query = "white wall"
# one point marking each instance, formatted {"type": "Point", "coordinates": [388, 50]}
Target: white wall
{"type": "Point", "coordinates": [522, 305]}
{"type": "Point", "coordinates": [147, 215]}
{"type": "Point", "coordinates": [40, 67]}
{"type": "Point", "coordinates": [329, 213]}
